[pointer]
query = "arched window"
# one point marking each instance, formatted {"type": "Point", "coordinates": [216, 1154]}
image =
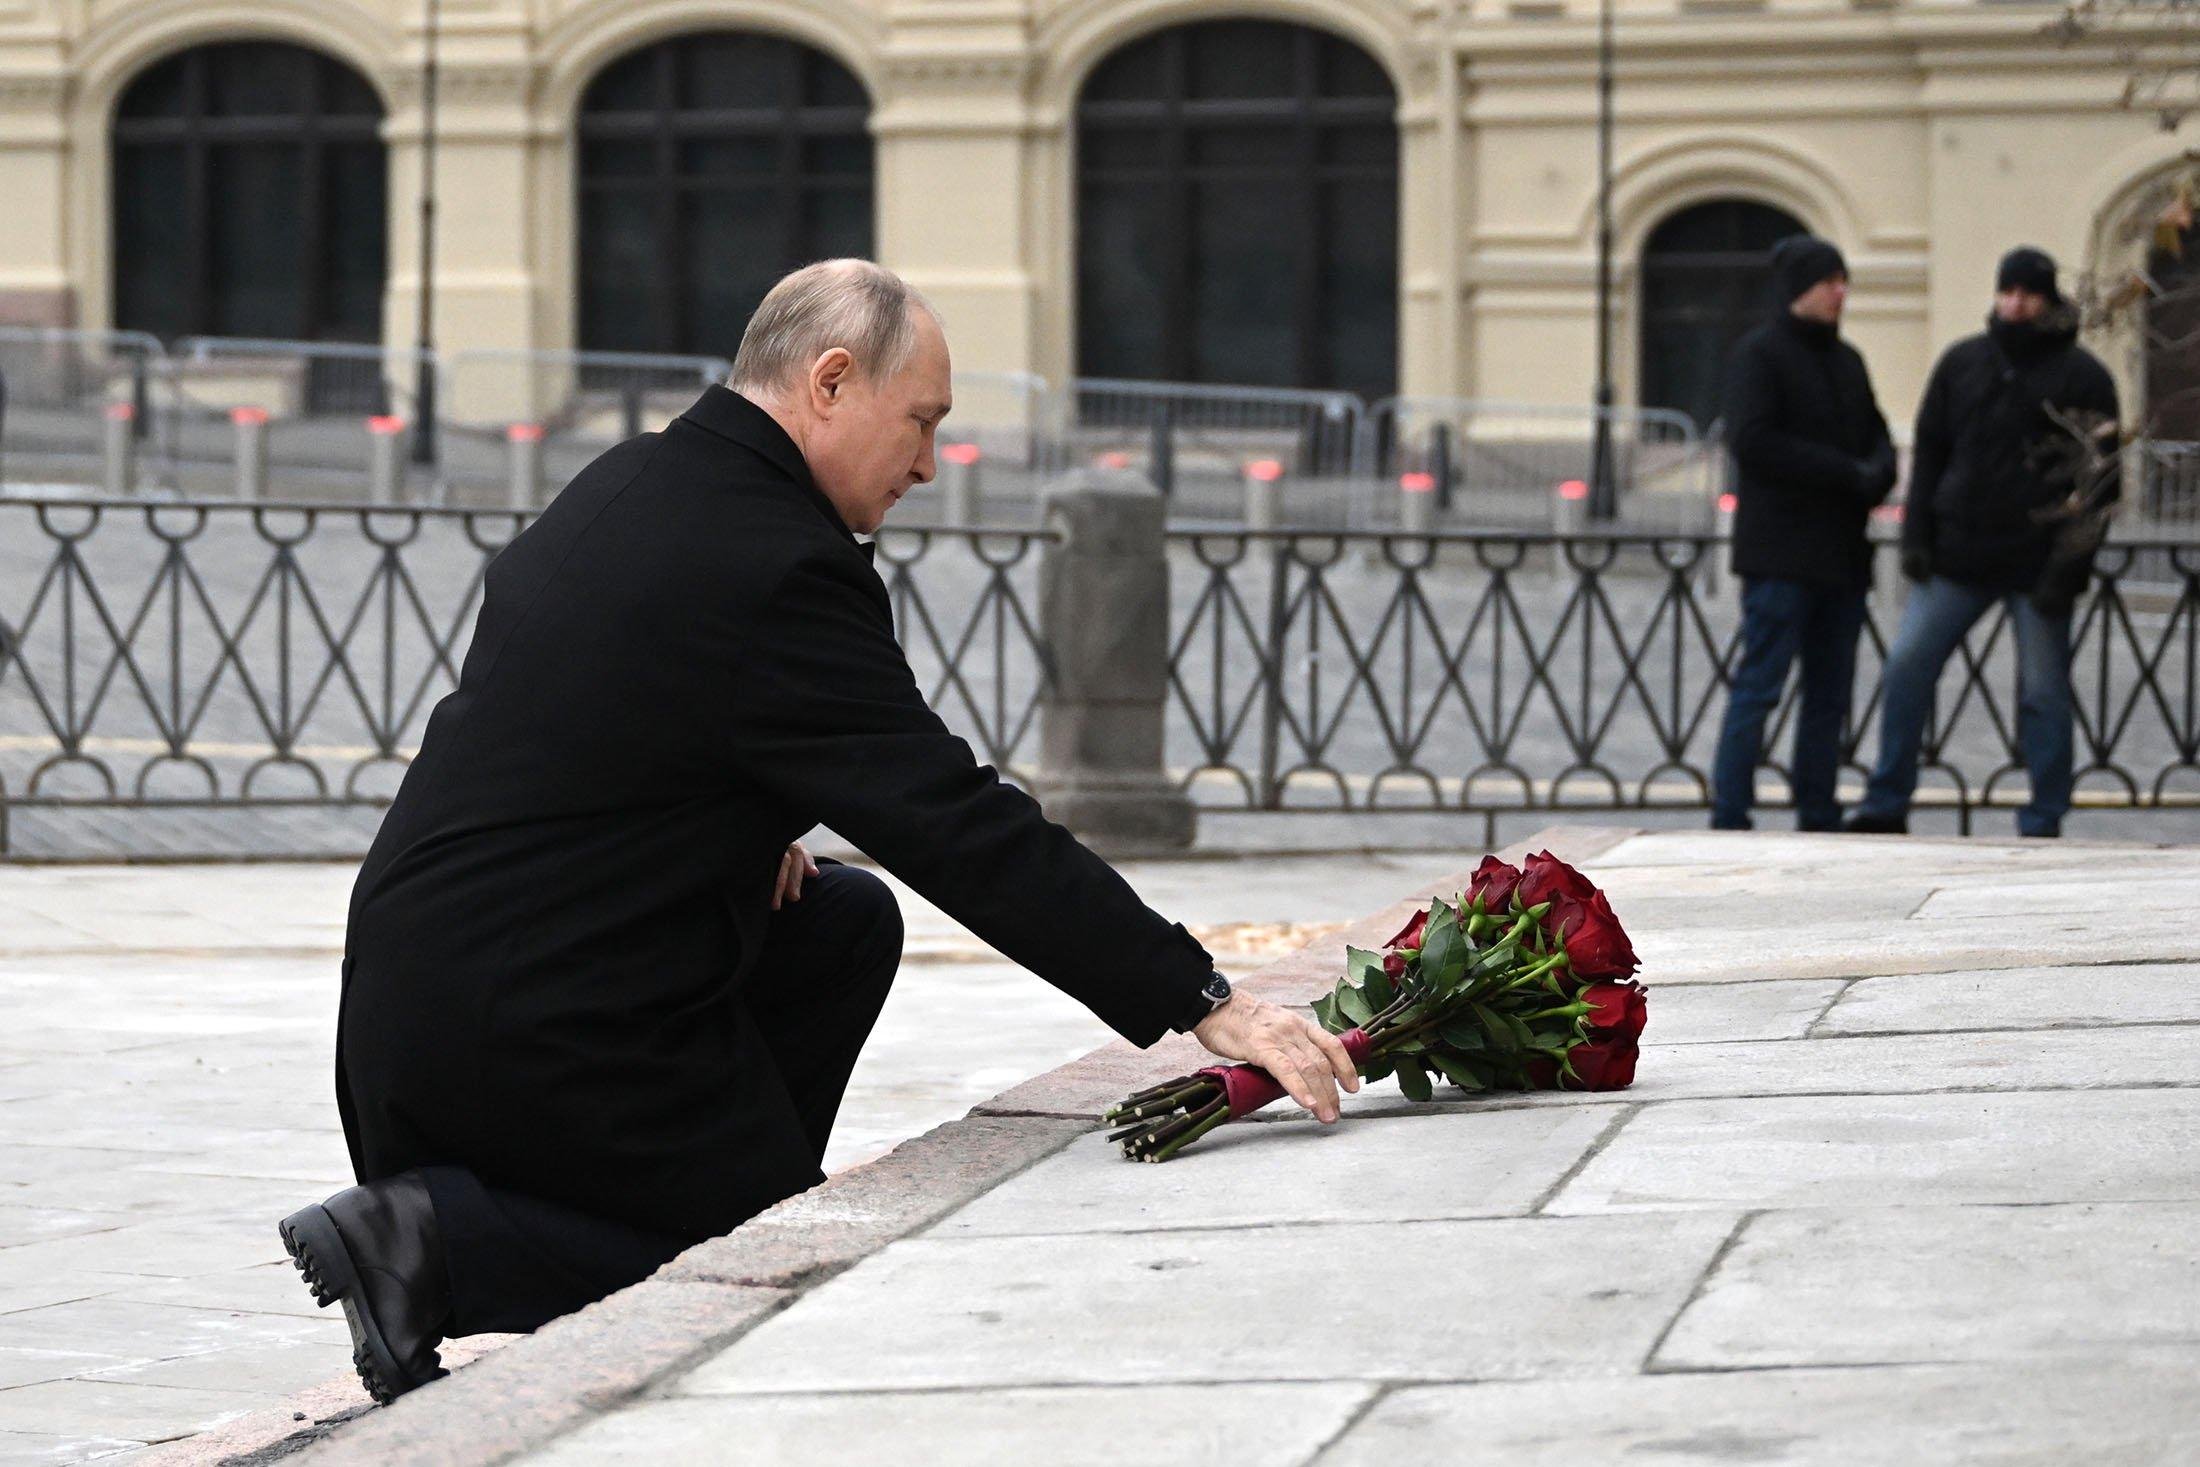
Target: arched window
{"type": "Point", "coordinates": [1237, 210]}
{"type": "Point", "coordinates": [250, 196]}
{"type": "Point", "coordinates": [1705, 281]}
{"type": "Point", "coordinates": [710, 165]}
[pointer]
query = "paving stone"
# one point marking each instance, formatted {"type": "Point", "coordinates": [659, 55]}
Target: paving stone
{"type": "Point", "coordinates": [2134, 1408]}
{"type": "Point", "coordinates": [1409, 1166]}
{"type": "Point", "coordinates": [1950, 1284]}
{"type": "Point", "coordinates": [51, 1449]}
{"type": "Point", "coordinates": [138, 1413]}
{"type": "Point", "coordinates": [1075, 1426]}
{"type": "Point", "coordinates": [124, 1331]}
{"type": "Point", "coordinates": [2118, 894]}
{"type": "Point", "coordinates": [1872, 1150]}
{"type": "Point", "coordinates": [2019, 998]}
{"type": "Point", "coordinates": [264, 1369]}
{"type": "Point", "coordinates": [1178, 1307]}
{"type": "Point", "coordinates": [1698, 1013]}
{"type": "Point", "coordinates": [20, 1365]}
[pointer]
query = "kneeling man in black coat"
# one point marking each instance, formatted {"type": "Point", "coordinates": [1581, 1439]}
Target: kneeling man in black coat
{"type": "Point", "coordinates": [597, 1005]}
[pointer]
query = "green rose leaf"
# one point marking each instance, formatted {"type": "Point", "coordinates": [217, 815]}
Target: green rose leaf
{"type": "Point", "coordinates": [1414, 1082]}
{"type": "Point", "coordinates": [1359, 962]}
{"type": "Point", "coordinates": [1353, 1004]}
{"type": "Point", "coordinates": [1457, 1071]}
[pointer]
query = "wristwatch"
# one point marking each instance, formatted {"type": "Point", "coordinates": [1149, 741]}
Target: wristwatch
{"type": "Point", "coordinates": [1212, 995]}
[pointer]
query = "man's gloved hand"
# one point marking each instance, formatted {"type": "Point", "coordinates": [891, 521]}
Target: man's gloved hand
{"type": "Point", "coordinates": [1307, 1060]}
{"type": "Point", "coordinates": [1917, 563]}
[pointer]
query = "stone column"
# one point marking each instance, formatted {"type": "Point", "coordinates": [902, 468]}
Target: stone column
{"type": "Point", "coordinates": [1104, 612]}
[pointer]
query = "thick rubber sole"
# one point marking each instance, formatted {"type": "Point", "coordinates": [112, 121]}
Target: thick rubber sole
{"type": "Point", "coordinates": [318, 1252]}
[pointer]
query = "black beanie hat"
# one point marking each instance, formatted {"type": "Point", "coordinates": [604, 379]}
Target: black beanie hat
{"type": "Point", "coordinates": [1802, 260]}
{"type": "Point", "coordinates": [2028, 268]}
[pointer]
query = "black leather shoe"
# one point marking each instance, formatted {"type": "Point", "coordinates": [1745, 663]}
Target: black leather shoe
{"type": "Point", "coordinates": [1878, 825]}
{"type": "Point", "coordinates": [376, 1251]}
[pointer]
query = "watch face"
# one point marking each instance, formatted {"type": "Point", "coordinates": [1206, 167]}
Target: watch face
{"type": "Point", "coordinates": [1217, 989]}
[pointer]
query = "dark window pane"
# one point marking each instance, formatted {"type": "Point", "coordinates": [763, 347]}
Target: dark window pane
{"type": "Point", "coordinates": [618, 157]}
{"type": "Point", "coordinates": [1347, 71]}
{"type": "Point", "coordinates": [837, 222]}
{"type": "Point", "coordinates": [833, 85]}
{"type": "Point", "coordinates": [617, 270]}
{"type": "Point", "coordinates": [1112, 147]}
{"type": "Point", "coordinates": [730, 252]}
{"type": "Point", "coordinates": [626, 85]}
{"type": "Point", "coordinates": [841, 157]}
{"type": "Point", "coordinates": [1241, 58]}
{"type": "Point", "coordinates": [1133, 73]}
{"type": "Point", "coordinates": [345, 93]}
{"type": "Point", "coordinates": [159, 91]}
{"type": "Point", "coordinates": [1259, 148]}
{"type": "Point", "coordinates": [354, 187]}
{"type": "Point", "coordinates": [257, 279]}
{"type": "Point", "coordinates": [1374, 147]}
{"type": "Point", "coordinates": [152, 292]}
{"type": "Point", "coordinates": [1358, 331]}
{"type": "Point", "coordinates": [1243, 306]}
{"type": "Point", "coordinates": [250, 79]}
{"type": "Point", "coordinates": [1122, 242]}
{"type": "Point", "coordinates": [749, 158]}
{"type": "Point", "coordinates": [729, 69]}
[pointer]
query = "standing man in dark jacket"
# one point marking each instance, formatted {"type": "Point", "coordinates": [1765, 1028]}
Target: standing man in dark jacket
{"type": "Point", "coordinates": [1814, 458]}
{"type": "Point", "coordinates": [596, 1007]}
{"type": "Point", "coordinates": [2015, 452]}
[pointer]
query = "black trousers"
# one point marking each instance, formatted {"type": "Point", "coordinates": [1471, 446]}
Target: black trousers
{"type": "Point", "coordinates": [518, 1262]}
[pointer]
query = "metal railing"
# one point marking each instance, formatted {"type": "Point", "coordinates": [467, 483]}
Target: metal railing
{"type": "Point", "coordinates": [212, 655]}
{"type": "Point", "coordinates": [1194, 441]}
{"type": "Point", "coordinates": [67, 393]}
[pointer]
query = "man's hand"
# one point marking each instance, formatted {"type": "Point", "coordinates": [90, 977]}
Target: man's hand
{"type": "Point", "coordinates": [793, 866]}
{"type": "Point", "coordinates": [1306, 1059]}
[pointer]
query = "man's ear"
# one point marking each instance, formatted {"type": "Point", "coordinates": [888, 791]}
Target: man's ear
{"type": "Point", "coordinates": [828, 379]}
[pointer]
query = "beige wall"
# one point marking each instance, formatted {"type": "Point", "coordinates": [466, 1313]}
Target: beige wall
{"type": "Point", "coordinates": [1924, 138]}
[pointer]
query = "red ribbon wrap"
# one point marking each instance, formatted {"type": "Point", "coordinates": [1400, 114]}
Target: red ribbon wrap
{"type": "Point", "coordinates": [1249, 1087]}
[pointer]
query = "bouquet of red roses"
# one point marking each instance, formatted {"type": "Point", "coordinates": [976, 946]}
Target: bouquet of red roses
{"type": "Point", "coordinates": [1525, 982]}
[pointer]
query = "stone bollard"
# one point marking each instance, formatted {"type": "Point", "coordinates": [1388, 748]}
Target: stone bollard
{"type": "Point", "coordinates": [1263, 494]}
{"type": "Point", "coordinates": [1570, 507]}
{"type": "Point", "coordinates": [523, 453]}
{"type": "Point", "coordinates": [1416, 503]}
{"type": "Point", "coordinates": [385, 458]}
{"type": "Point", "coordinates": [250, 426]}
{"type": "Point", "coordinates": [118, 449]}
{"type": "Point", "coordinates": [1104, 614]}
{"type": "Point", "coordinates": [959, 484]}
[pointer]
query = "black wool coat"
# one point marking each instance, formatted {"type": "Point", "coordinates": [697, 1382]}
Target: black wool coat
{"type": "Point", "coordinates": [1812, 454]}
{"type": "Point", "coordinates": [1991, 454]}
{"type": "Point", "coordinates": [679, 668]}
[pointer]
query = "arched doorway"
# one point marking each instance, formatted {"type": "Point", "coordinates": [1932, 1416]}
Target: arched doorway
{"type": "Point", "coordinates": [710, 165]}
{"type": "Point", "coordinates": [1705, 281]}
{"type": "Point", "coordinates": [1237, 210]}
{"type": "Point", "coordinates": [250, 196]}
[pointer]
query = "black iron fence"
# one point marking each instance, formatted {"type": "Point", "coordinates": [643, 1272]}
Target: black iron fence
{"type": "Point", "coordinates": [225, 656]}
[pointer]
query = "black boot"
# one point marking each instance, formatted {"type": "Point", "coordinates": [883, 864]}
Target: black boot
{"type": "Point", "coordinates": [1878, 825]}
{"type": "Point", "coordinates": [376, 1251]}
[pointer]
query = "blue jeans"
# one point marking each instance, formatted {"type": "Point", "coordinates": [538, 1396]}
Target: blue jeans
{"type": "Point", "coordinates": [1783, 621]}
{"type": "Point", "coordinates": [1934, 621]}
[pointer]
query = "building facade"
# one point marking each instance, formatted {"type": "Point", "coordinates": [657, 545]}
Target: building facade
{"type": "Point", "coordinates": [1389, 196]}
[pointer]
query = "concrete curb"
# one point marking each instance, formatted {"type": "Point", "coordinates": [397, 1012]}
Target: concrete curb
{"type": "Point", "coordinates": [542, 1386]}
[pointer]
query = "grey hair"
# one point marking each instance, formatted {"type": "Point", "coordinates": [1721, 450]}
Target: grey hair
{"type": "Point", "coordinates": [855, 304]}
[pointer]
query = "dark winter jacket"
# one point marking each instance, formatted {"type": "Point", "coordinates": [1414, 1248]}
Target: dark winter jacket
{"type": "Point", "coordinates": [683, 665]}
{"type": "Point", "coordinates": [1997, 443]}
{"type": "Point", "coordinates": [1812, 454]}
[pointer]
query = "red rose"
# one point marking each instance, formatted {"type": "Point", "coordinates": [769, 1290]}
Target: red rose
{"type": "Point", "coordinates": [1603, 1064]}
{"type": "Point", "coordinates": [1617, 1009]}
{"type": "Point", "coordinates": [1545, 878]}
{"type": "Point", "coordinates": [1596, 945]}
{"type": "Point", "coordinates": [1395, 964]}
{"type": "Point", "coordinates": [1410, 934]}
{"type": "Point", "coordinates": [1492, 885]}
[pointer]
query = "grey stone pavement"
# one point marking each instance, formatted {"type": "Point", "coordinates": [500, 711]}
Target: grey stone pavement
{"type": "Point", "coordinates": [165, 1037]}
{"type": "Point", "coordinates": [1910, 1173]}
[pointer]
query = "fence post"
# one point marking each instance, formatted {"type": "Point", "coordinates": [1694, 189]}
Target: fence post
{"type": "Point", "coordinates": [1161, 450]}
{"type": "Point", "coordinates": [1104, 617]}
{"type": "Point", "coordinates": [119, 449]}
{"type": "Point", "coordinates": [385, 458]}
{"type": "Point", "coordinates": [630, 410]}
{"type": "Point", "coordinates": [1568, 503]}
{"type": "Point", "coordinates": [1416, 503]}
{"type": "Point", "coordinates": [523, 447]}
{"type": "Point", "coordinates": [959, 484]}
{"type": "Point", "coordinates": [250, 424]}
{"type": "Point", "coordinates": [1439, 463]}
{"type": "Point", "coordinates": [1263, 489]}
